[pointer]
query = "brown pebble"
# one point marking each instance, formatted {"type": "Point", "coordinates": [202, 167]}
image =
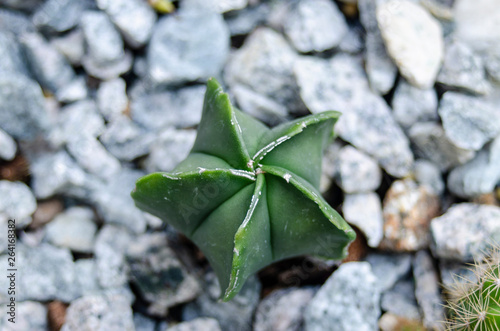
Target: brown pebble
{"type": "Point", "coordinates": [487, 199]}
{"type": "Point", "coordinates": [56, 315]}
{"type": "Point", "coordinates": [45, 212]}
{"type": "Point", "coordinates": [15, 170]}
{"type": "Point", "coordinates": [358, 249]}
{"type": "Point", "coordinates": [391, 322]}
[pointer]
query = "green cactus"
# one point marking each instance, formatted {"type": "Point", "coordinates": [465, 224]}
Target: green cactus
{"type": "Point", "coordinates": [475, 304]}
{"type": "Point", "coordinates": [248, 195]}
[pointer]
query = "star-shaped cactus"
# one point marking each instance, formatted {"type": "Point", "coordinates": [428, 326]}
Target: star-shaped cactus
{"type": "Point", "coordinates": [248, 195]}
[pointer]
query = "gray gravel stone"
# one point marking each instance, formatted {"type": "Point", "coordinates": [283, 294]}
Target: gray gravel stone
{"type": "Point", "coordinates": [112, 99]}
{"type": "Point", "coordinates": [356, 172]}
{"type": "Point", "coordinates": [283, 310]}
{"type": "Point", "coordinates": [353, 43]}
{"type": "Point", "coordinates": [413, 105]}
{"type": "Point", "coordinates": [126, 140]}
{"type": "Point", "coordinates": [143, 323]}
{"type": "Point", "coordinates": [105, 57]}
{"type": "Point", "coordinates": [428, 174]}
{"type": "Point", "coordinates": [431, 143]}
{"type": "Point", "coordinates": [14, 21]}
{"type": "Point", "coordinates": [401, 301]}
{"type": "Point", "coordinates": [86, 276]}
{"type": "Point", "coordinates": [478, 176]}
{"type": "Point", "coordinates": [134, 18]}
{"type": "Point", "coordinates": [169, 149]}
{"type": "Point", "coordinates": [427, 291]}
{"type": "Point", "coordinates": [22, 107]}
{"type": "Point", "coordinates": [243, 21]}
{"type": "Point", "coordinates": [389, 268]}
{"type": "Point", "coordinates": [189, 46]}
{"type": "Point", "coordinates": [349, 300]}
{"type": "Point", "coordinates": [76, 90]}
{"type": "Point", "coordinates": [214, 5]}
{"type": "Point", "coordinates": [111, 244]}
{"type": "Point", "coordinates": [453, 272]}
{"type": "Point", "coordinates": [464, 231]}
{"type": "Point", "coordinates": [99, 312]}
{"type": "Point", "coordinates": [74, 229]}
{"type": "Point", "coordinates": [71, 45]}
{"type": "Point", "coordinates": [492, 62]}
{"type": "Point", "coordinates": [475, 23]}
{"type": "Point", "coordinates": [315, 25]}
{"type": "Point", "coordinates": [114, 203]}
{"type": "Point", "coordinates": [367, 121]}
{"type": "Point", "coordinates": [47, 273]}
{"type": "Point", "coordinates": [59, 15]}
{"type": "Point", "coordinates": [236, 314]}
{"type": "Point", "coordinates": [370, 127]}
{"type": "Point", "coordinates": [48, 66]}
{"type": "Point", "coordinates": [160, 110]}
{"type": "Point", "coordinates": [30, 315]}
{"type": "Point", "coordinates": [92, 156]}
{"type": "Point", "coordinates": [158, 275]}
{"type": "Point", "coordinates": [18, 202]}
{"type": "Point", "coordinates": [463, 69]}
{"type": "Point", "coordinates": [364, 210]}
{"type": "Point", "coordinates": [468, 121]}
{"type": "Point", "coordinates": [264, 65]}
{"type": "Point", "coordinates": [13, 59]}
{"type": "Point", "coordinates": [8, 147]}
{"type": "Point", "coordinates": [56, 173]}
{"type": "Point", "coordinates": [380, 69]}
{"type": "Point", "coordinates": [202, 323]}
{"type": "Point", "coordinates": [414, 40]}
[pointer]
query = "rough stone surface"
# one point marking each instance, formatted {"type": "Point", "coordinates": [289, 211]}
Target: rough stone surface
{"type": "Point", "coordinates": [48, 66]}
{"type": "Point", "coordinates": [389, 268]}
{"type": "Point", "coordinates": [243, 21]}
{"type": "Point", "coordinates": [144, 323]}
{"type": "Point", "coordinates": [159, 276]}
{"type": "Point", "coordinates": [59, 15]}
{"type": "Point", "coordinates": [464, 231]}
{"type": "Point", "coordinates": [114, 203]}
{"type": "Point", "coordinates": [264, 65]}
{"type": "Point", "coordinates": [380, 69]}
{"type": "Point", "coordinates": [408, 210]}
{"type": "Point", "coordinates": [364, 210]}
{"type": "Point", "coordinates": [48, 273]}
{"type": "Point", "coordinates": [400, 300]}
{"type": "Point", "coordinates": [14, 21]}
{"type": "Point", "coordinates": [74, 229]}
{"type": "Point", "coordinates": [478, 176]}
{"type": "Point", "coordinates": [413, 105]}
{"type": "Point", "coordinates": [134, 18]}
{"type": "Point", "coordinates": [22, 107]}
{"type": "Point", "coordinates": [283, 310]}
{"type": "Point", "coordinates": [169, 149]}
{"type": "Point", "coordinates": [349, 300]}
{"type": "Point", "coordinates": [111, 245]}
{"type": "Point", "coordinates": [126, 140]}
{"type": "Point", "coordinates": [202, 323]}
{"type": "Point", "coordinates": [100, 312]}
{"type": "Point", "coordinates": [30, 315]}
{"type": "Point", "coordinates": [86, 276]}
{"type": "Point", "coordinates": [431, 143]}
{"type": "Point", "coordinates": [428, 174]}
{"type": "Point", "coordinates": [112, 99]}
{"type": "Point", "coordinates": [192, 45]}
{"type": "Point", "coordinates": [214, 5]}
{"type": "Point", "coordinates": [315, 25]}
{"type": "Point", "coordinates": [453, 272]}
{"type": "Point", "coordinates": [469, 122]}
{"type": "Point", "coordinates": [414, 40]}
{"type": "Point", "coordinates": [463, 69]}
{"type": "Point", "coordinates": [105, 57]}
{"type": "Point", "coordinates": [71, 45]}
{"type": "Point", "coordinates": [8, 147]}
{"type": "Point", "coordinates": [236, 314]}
{"type": "Point", "coordinates": [18, 202]}
{"type": "Point", "coordinates": [475, 23]}
{"type": "Point", "coordinates": [160, 110]}
{"type": "Point", "coordinates": [427, 291]}
{"type": "Point", "coordinates": [56, 173]}
{"type": "Point", "coordinates": [356, 172]}
{"type": "Point", "coordinates": [75, 90]}
{"type": "Point", "coordinates": [13, 59]}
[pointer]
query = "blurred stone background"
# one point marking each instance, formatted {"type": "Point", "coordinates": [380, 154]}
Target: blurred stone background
{"type": "Point", "coordinates": [96, 93]}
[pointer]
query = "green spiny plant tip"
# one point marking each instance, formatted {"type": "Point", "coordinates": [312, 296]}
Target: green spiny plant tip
{"type": "Point", "coordinates": [475, 304]}
{"type": "Point", "coordinates": [248, 195]}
